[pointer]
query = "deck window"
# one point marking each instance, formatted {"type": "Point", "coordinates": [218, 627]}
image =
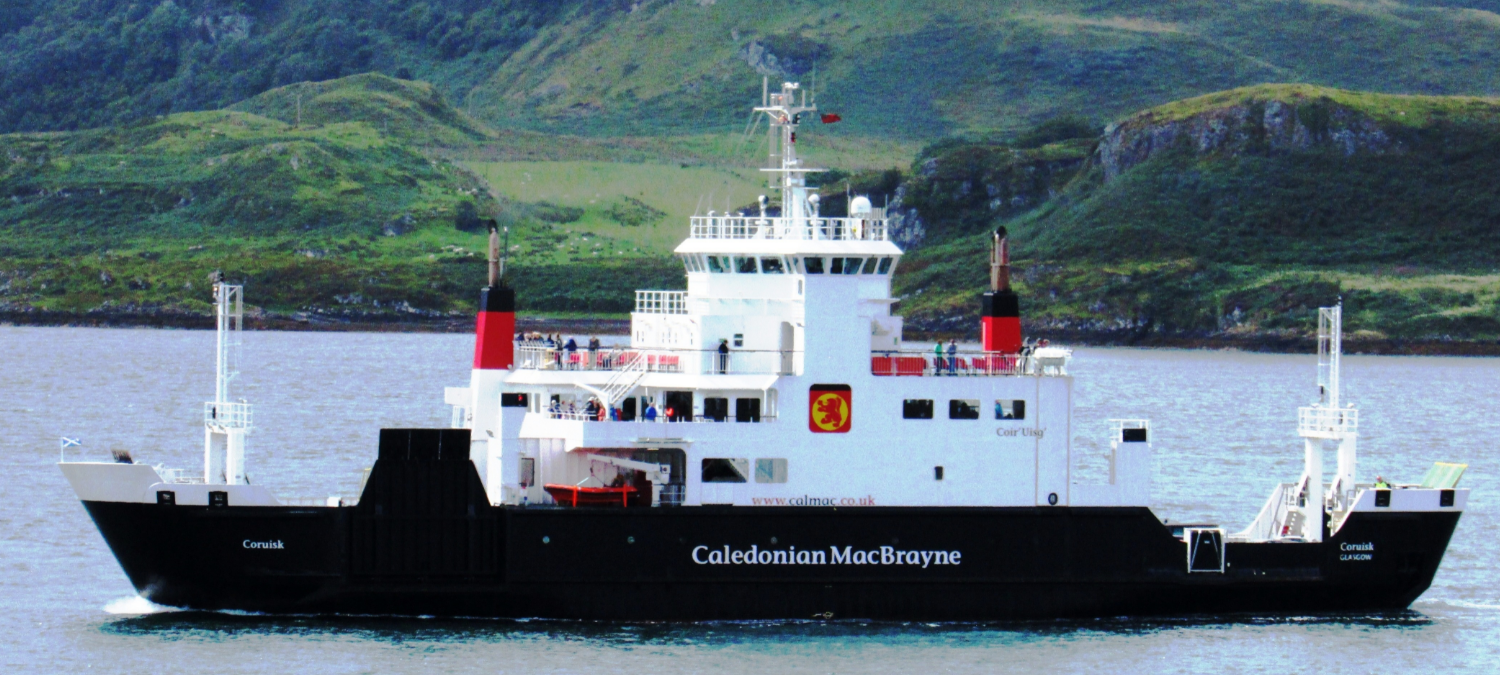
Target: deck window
{"type": "Point", "coordinates": [1010, 410]}
{"type": "Point", "coordinates": [744, 265]}
{"type": "Point", "coordinates": [716, 409]}
{"type": "Point", "coordinates": [963, 409]}
{"type": "Point", "coordinates": [885, 265]}
{"type": "Point", "coordinates": [870, 265]}
{"type": "Point", "coordinates": [725, 469]}
{"type": "Point", "coordinates": [770, 471]}
{"type": "Point", "coordinates": [716, 265]}
{"type": "Point", "coordinates": [917, 409]}
{"type": "Point", "coordinates": [813, 265]}
{"type": "Point", "coordinates": [747, 410]}
{"type": "Point", "coordinates": [771, 266]}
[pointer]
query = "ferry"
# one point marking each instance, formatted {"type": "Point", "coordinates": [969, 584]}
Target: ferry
{"type": "Point", "coordinates": [765, 447]}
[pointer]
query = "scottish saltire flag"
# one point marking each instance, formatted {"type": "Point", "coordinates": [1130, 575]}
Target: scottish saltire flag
{"type": "Point", "coordinates": [70, 442]}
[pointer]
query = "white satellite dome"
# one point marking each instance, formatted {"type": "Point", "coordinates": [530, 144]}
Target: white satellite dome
{"type": "Point", "coordinates": [859, 205]}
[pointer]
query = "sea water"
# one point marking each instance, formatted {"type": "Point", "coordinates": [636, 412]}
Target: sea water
{"type": "Point", "coordinates": [1225, 433]}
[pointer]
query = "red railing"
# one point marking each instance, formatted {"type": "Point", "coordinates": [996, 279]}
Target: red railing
{"type": "Point", "coordinates": [959, 364]}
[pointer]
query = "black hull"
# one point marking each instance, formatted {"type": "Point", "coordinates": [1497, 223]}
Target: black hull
{"type": "Point", "coordinates": [471, 559]}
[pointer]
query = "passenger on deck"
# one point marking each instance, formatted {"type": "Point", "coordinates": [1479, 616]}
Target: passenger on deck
{"type": "Point", "coordinates": [937, 359]}
{"type": "Point", "coordinates": [593, 352]}
{"type": "Point", "coordinates": [592, 409]}
{"type": "Point", "coordinates": [723, 356]}
{"type": "Point", "coordinates": [572, 348]}
{"type": "Point", "coordinates": [952, 357]}
{"type": "Point", "coordinates": [1380, 483]}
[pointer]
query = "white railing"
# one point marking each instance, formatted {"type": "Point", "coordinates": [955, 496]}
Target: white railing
{"type": "Point", "coordinates": [961, 364]}
{"type": "Point", "coordinates": [1274, 520]}
{"type": "Point", "coordinates": [1320, 422]}
{"type": "Point", "coordinates": [755, 227]}
{"type": "Point", "coordinates": [178, 476]}
{"type": "Point", "coordinates": [227, 415]}
{"type": "Point", "coordinates": [707, 361]}
{"type": "Point", "coordinates": [610, 415]}
{"type": "Point", "coordinates": [661, 302]}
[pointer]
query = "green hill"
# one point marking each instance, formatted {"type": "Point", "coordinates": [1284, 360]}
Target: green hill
{"type": "Point", "coordinates": [413, 112]}
{"type": "Point", "coordinates": [1238, 212]}
{"type": "Point", "coordinates": [905, 69]}
{"type": "Point", "coordinates": [346, 219]}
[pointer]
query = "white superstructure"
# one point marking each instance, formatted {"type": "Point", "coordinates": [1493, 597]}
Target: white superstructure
{"type": "Point", "coordinates": [780, 306]}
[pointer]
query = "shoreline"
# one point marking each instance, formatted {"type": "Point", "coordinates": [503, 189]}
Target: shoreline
{"type": "Point", "coordinates": [1271, 343]}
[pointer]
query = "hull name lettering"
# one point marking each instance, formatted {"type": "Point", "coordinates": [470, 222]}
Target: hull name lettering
{"type": "Point", "coordinates": [848, 555]}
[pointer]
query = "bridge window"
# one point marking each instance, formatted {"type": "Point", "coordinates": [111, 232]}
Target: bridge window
{"type": "Point", "coordinates": [885, 265]}
{"type": "Point", "coordinates": [917, 409]}
{"type": "Point", "coordinates": [771, 266]}
{"type": "Point", "coordinates": [744, 265]}
{"type": "Point", "coordinates": [870, 265]}
{"type": "Point", "coordinates": [1010, 410]}
{"type": "Point", "coordinates": [718, 264]}
{"type": "Point", "coordinates": [963, 409]}
{"type": "Point", "coordinates": [725, 469]}
{"type": "Point", "coordinates": [846, 265]}
{"type": "Point", "coordinates": [814, 265]}
{"type": "Point", "coordinates": [770, 471]}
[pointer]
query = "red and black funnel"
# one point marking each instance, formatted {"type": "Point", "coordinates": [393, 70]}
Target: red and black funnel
{"type": "Point", "coordinates": [495, 329]}
{"type": "Point", "coordinates": [1000, 318]}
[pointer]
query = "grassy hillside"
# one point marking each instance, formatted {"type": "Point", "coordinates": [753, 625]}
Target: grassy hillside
{"type": "Point", "coordinates": [1241, 211]}
{"type": "Point", "coordinates": [908, 69]}
{"type": "Point", "coordinates": [413, 112]}
{"type": "Point", "coordinates": [646, 204]}
{"type": "Point", "coordinates": [333, 218]}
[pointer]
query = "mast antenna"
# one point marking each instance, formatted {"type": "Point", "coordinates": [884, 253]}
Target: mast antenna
{"type": "Point", "coordinates": [496, 269]}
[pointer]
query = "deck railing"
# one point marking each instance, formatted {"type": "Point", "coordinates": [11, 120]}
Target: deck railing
{"type": "Point", "coordinates": [575, 415]}
{"type": "Point", "coordinates": [227, 415]}
{"type": "Point", "coordinates": [961, 364]}
{"type": "Point", "coordinates": [530, 356]}
{"type": "Point", "coordinates": [1327, 422]}
{"type": "Point", "coordinates": [755, 227]}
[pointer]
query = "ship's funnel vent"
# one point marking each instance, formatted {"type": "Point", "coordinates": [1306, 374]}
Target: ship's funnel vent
{"type": "Point", "coordinates": [495, 327]}
{"type": "Point", "coordinates": [1000, 318]}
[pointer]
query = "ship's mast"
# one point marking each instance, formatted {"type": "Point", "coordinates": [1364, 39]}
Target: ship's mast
{"type": "Point", "coordinates": [225, 422]}
{"type": "Point", "coordinates": [1323, 422]}
{"type": "Point", "coordinates": [786, 110]}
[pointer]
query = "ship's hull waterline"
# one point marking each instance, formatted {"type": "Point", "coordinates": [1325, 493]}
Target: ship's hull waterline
{"type": "Point", "coordinates": [705, 563]}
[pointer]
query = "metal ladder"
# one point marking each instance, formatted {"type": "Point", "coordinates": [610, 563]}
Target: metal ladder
{"type": "Point", "coordinates": [624, 380]}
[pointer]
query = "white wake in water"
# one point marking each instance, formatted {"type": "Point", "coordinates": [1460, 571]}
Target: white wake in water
{"type": "Point", "coordinates": [132, 605]}
{"type": "Point", "coordinates": [1465, 604]}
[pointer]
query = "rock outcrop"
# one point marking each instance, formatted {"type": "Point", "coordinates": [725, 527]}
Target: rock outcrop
{"type": "Point", "coordinates": [1255, 127]}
